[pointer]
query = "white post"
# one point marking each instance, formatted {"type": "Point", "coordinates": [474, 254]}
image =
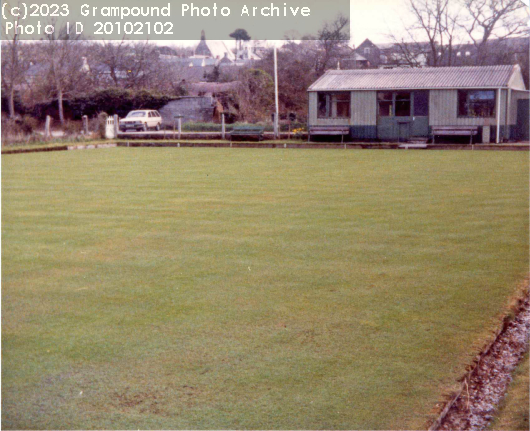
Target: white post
{"type": "Point", "coordinates": [110, 129]}
{"type": "Point", "coordinates": [85, 124]}
{"type": "Point", "coordinates": [180, 126]}
{"type": "Point", "coordinates": [116, 125]}
{"type": "Point", "coordinates": [276, 116]}
{"type": "Point", "coordinates": [223, 127]}
{"type": "Point", "coordinates": [47, 127]}
{"type": "Point", "coordinates": [497, 138]}
{"type": "Point", "coordinates": [508, 109]}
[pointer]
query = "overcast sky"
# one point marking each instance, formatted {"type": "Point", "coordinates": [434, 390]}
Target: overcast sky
{"type": "Point", "coordinates": [375, 19]}
{"type": "Point", "coordinates": [372, 19]}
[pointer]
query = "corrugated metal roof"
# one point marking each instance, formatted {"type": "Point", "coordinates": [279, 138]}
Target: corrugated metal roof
{"type": "Point", "coordinates": [415, 78]}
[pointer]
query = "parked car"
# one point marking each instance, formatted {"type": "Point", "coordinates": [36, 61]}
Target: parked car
{"type": "Point", "coordinates": [141, 120]}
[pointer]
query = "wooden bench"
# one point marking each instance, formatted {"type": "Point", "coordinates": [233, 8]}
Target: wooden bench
{"type": "Point", "coordinates": [328, 130]}
{"type": "Point", "coordinates": [455, 131]}
{"type": "Point", "coordinates": [254, 131]}
{"type": "Point", "coordinates": [413, 146]}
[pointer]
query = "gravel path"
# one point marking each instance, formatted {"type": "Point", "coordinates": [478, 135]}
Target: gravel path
{"type": "Point", "coordinates": [475, 407]}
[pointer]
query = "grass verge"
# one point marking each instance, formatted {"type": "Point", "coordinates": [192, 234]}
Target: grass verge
{"type": "Point", "coordinates": [512, 414]}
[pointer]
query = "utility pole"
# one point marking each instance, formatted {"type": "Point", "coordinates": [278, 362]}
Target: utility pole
{"type": "Point", "coordinates": [276, 115]}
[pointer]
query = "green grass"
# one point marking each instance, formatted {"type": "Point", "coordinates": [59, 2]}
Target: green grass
{"type": "Point", "coordinates": [513, 411]}
{"type": "Point", "coordinates": [288, 289]}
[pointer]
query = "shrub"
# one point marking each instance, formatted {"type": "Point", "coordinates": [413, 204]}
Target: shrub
{"type": "Point", "coordinates": [17, 130]}
{"type": "Point", "coordinates": [28, 124]}
{"type": "Point", "coordinates": [98, 125]}
{"type": "Point", "coordinates": [72, 128]}
{"type": "Point", "coordinates": [116, 101]}
{"type": "Point", "coordinates": [25, 125]}
{"type": "Point", "coordinates": [111, 100]}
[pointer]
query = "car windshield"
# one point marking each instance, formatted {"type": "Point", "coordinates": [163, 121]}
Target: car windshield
{"type": "Point", "coordinates": [136, 114]}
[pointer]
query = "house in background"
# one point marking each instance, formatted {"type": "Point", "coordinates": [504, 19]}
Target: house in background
{"type": "Point", "coordinates": [213, 49]}
{"type": "Point", "coordinates": [503, 51]}
{"type": "Point", "coordinates": [216, 52]}
{"type": "Point", "coordinates": [391, 55]}
{"type": "Point", "coordinates": [509, 50]}
{"type": "Point", "coordinates": [400, 104]}
{"type": "Point", "coordinates": [356, 61]}
{"type": "Point", "coordinates": [211, 54]}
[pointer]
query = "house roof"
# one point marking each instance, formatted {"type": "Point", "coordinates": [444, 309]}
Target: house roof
{"type": "Point", "coordinates": [217, 48]}
{"type": "Point", "coordinates": [37, 69]}
{"type": "Point", "coordinates": [212, 87]}
{"type": "Point", "coordinates": [195, 74]}
{"type": "Point", "coordinates": [416, 78]}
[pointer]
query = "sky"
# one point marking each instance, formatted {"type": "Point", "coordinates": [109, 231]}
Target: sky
{"type": "Point", "coordinates": [375, 19]}
{"type": "Point", "coordinates": [372, 19]}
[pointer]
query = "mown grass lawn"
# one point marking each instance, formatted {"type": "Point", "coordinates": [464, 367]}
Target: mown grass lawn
{"type": "Point", "coordinates": [273, 289]}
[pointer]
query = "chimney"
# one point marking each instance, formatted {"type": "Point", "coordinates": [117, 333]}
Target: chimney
{"type": "Point", "coordinates": [85, 66]}
{"type": "Point", "coordinates": [203, 35]}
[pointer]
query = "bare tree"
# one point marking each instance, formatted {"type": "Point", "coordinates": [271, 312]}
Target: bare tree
{"type": "Point", "coordinates": [168, 78]}
{"type": "Point", "coordinates": [296, 72]}
{"type": "Point", "coordinates": [254, 95]}
{"type": "Point", "coordinates": [332, 39]}
{"type": "Point", "coordinates": [489, 19]}
{"type": "Point", "coordinates": [111, 56]}
{"type": "Point", "coordinates": [63, 55]}
{"type": "Point", "coordinates": [431, 34]}
{"type": "Point", "coordinates": [141, 63]}
{"type": "Point", "coordinates": [124, 64]}
{"type": "Point", "coordinates": [13, 63]}
{"type": "Point", "coordinates": [137, 65]}
{"type": "Point", "coordinates": [437, 26]}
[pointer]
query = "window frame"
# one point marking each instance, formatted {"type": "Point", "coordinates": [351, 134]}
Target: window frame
{"type": "Point", "coordinates": [327, 109]}
{"type": "Point", "coordinates": [386, 97]}
{"type": "Point", "coordinates": [403, 101]}
{"type": "Point", "coordinates": [331, 104]}
{"type": "Point", "coordinates": [467, 92]}
{"type": "Point", "coordinates": [390, 98]}
{"type": "Point", "coordinates": [335, 101]}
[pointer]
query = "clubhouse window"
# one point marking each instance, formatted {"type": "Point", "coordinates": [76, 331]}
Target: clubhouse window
{"type": "Point", "coordinates": [476, 103]}
{"type": "Point", "coordinates": [386, 104]}
{"type": "Point", "coordinates": [394, 103]}
{"type": "Point", "coordinates": [334, 105]}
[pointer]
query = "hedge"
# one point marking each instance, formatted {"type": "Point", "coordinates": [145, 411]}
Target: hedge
{"type": "Point", "coordinates": [112, 101]}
